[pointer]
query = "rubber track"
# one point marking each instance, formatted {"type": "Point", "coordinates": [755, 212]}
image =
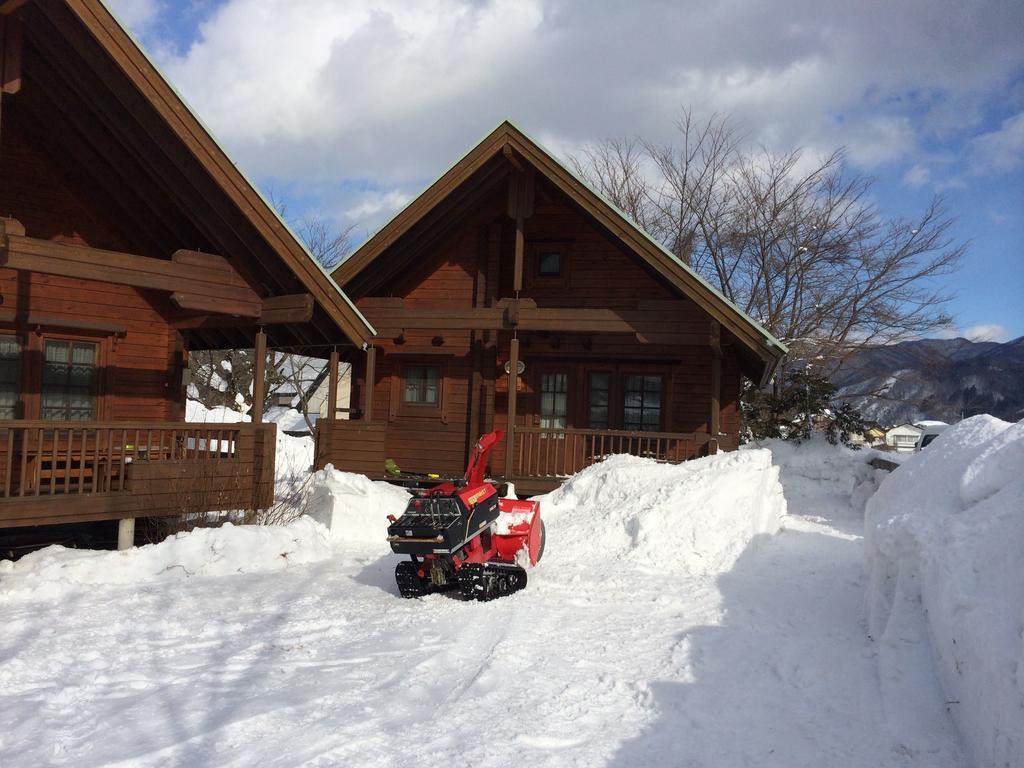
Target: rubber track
{"type": "Point", "coordinates": [489, 581]}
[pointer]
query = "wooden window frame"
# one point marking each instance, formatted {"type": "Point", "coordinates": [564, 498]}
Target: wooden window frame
{"type": "Point", "coordinates": [19, 375]}
{"type": "Point", "coordinates": [536, 371]}
{"type": "Point", "coordinates": [97, 385]}
{"type": "Point", "coordinates": [624, 373]}
{"type": "Point", "coordinates": [534, 250]}
{"type": "Point", "coordinates": [31, 360]}
{"type": "Point", "coordinates": [400, 407]}
{"type": "Point", "coordinates": [608, 370]}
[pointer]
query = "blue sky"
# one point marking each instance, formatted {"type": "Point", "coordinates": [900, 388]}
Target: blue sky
{"type": "Point", "coordinates": [348, 109]}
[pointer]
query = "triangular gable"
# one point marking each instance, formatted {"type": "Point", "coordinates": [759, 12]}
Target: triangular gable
{"type": "Point", "coordinates": [144, 76]}
{"type": "Point", "coordinates": [747, 330]}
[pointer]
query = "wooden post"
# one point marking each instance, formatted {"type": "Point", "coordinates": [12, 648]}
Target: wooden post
{"type": "Point", "coordinates": [510, 432]}
{"type": "Point", "coordinates": [714, 425]}
{"type": "Point", "coordinates": [126, 533]}
{"type": "Point", "coordinates": [259, 376]}
{"type": "Point", "coordinates": [371, 377]}
{"type": "Point", "coordinates": [332, 386]}
{"type": "Point", "coordinates": [517, 275]}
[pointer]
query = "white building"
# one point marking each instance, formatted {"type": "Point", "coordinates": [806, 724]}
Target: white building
{"type": "Point", "coordinates": [903, 437]}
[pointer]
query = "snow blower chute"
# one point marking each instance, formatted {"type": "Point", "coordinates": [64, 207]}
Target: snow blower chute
{"type": "Point", "coordinates": [462, 535]}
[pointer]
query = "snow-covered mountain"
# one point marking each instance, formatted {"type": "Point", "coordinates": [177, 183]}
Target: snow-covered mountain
{"type": "Point", "coordinates": [943, 379]}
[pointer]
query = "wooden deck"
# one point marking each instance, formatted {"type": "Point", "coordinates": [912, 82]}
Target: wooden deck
{"type": "Point", "coordinates": [543, 459]}
{"type": "Point", "coordinates": [64, 472]}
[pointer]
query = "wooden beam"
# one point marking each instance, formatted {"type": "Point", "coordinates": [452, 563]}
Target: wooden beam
{"type": "Point", "coordinates": [10, 54]}
{"type": "Point", "coordinates": [54, 321]}
{"type": "Point", "coordinates": [259, 376]}
{"type": "Point", "coordinates": [276, 310]}
{"type": "Point", "coordinates": [332, 385]}
{"type": "Point", "coordinates": [510, 433]}
{"type": "Point", "coordinates": [371, 377]}
{"type": "Point", "coordinates": [391, 316]}
{"type": "Point", "coordinates": [194, 287]}
{"type": "Point", "coordinates": [10, 6]}
{"type": "Point", "coordinates": [714, 427]}
{"type": "Point", "coordinates": [520, 207]}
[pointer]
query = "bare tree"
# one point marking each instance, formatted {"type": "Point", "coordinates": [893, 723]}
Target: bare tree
{"type": "Point", "coordinates": [796, 243]}
{"type": "Point", "coordinates": [224, 377]}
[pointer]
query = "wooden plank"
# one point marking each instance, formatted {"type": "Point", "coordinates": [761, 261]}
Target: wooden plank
{"type": "Point", "coordinates": [510, 431]}
{"type": "Point", "coordinates": [10, 6]}
{"type": "Point", "coordinates": [276, 310]}
{"type": "Point", "coordinates": [714, 424]}
{"type": "Point", "coordinates": [370, 382]}
{"type": "Point", "coordinates": [206, 288]}
{"type": "Point", "coordinates": [259, 376]}
{"type": "Point", "coordinates": [10, 53]}
{"type": "Point", "coordinates": [332, 385]}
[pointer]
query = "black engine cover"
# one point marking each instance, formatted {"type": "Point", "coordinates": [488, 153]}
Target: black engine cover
{"type": "Point", "coordinates": [440, 524]}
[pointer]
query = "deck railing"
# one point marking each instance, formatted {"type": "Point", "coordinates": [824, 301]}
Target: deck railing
{"type": "Point", "coordinates": [47, 457]}
{"type": "Point", "coordinates": [542, 452]}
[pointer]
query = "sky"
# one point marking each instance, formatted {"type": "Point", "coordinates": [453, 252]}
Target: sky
{"type": "Point", "coordinates": [347, 110]}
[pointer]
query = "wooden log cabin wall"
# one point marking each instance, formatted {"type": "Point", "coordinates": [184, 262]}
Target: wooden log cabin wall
{"type": "Point", "coordinates": [128, 238]}
{"type": "Point", "coordinates": [509, 262]}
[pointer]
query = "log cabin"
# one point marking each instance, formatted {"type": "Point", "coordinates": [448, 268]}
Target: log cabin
{"type": "Point", "coordinates": [128, 238]}
{"type": "Point", "coordinates": [510, 295]}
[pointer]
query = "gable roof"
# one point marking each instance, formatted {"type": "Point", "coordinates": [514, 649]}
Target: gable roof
{"type": "Point", "coordinates": [102, 64]}
{"type": "Point", "coordinates": [680, 275]}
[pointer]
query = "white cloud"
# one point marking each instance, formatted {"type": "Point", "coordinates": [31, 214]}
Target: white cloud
{"type": "Point", "coordinates": [1001, 150]}
{"type": "Point", "coordinates": [987, 332]}
{"type": "Point", "coordinates": [327, 92]}
{"type": "Point", "coordinates": [138, 15]}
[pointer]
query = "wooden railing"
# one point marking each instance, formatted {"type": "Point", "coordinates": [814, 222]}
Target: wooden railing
{"type": "Point", "coordinates": [544, 452]}
{"type": "Point", "coordinates": [46, 457]}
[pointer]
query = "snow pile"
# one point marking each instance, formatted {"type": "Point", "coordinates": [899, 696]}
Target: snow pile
{"type": "Point", "coordinates": [696, 517]}
{"type": "Point", "coordinates": [944, 538]}
{"type": "Point", "coordinates": [220, 551]}
{"type": "Point", "coordinates": [823, 480]}
{"type": "Point", "coordinates": [197, 412]}
{"type": "Point", "coordinates": [353, 507]}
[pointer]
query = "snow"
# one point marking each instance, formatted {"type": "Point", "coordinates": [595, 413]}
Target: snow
{"type": "Point", "coordinates": [355, 508]}
{"type": "Point", "coordinates": [58, 572]}
{"type": "Point", "coordinates": [671, 622]}
{"type": "Point", "coordinates": [698, 516]}
{"type": "Point", "coordinates": [944, 539]}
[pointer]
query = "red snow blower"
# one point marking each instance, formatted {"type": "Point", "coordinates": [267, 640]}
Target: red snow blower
{"type": "Point", "coordinates": [461, 535]}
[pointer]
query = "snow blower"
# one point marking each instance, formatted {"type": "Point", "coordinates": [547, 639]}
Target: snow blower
{"type": "Point", "coordinates": [462, 535]}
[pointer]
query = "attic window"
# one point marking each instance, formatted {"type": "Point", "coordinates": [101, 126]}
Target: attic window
{"type": "Point", "coordinates": [549, 263]}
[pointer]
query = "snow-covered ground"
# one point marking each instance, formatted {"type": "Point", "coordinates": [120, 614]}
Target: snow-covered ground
{"type": "Point", "coordinates": [945, 537]}
{"type": "Point", "coordinates": [679, 617]}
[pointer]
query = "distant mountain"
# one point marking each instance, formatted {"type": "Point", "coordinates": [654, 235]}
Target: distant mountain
{"type": "Point", "coordinates": [936, 379]}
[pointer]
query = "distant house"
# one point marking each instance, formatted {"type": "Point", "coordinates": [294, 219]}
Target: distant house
{"type": "Point", "coordinates": [874, 433]}
{"type": "Point", "coordinates": [316, 398]}
{"type": "Point", "coordinates": [511, 296]}
{"type": "Point", "coordinates": [903, 437]}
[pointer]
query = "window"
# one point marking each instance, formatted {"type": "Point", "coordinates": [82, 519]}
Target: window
{"type": "Point", "coordinates": [9, 390]}
{"type": "Point", "coordinates": [598, 389]}
{"type": "Point", "coordinates": [69, 380]}
{"type": "Point", "coordinates": [421, 385]}
{"type": "Point", "coordinates": [549, 263]}
{"type": "Point", "coordinates": [554, 400]}
{"type": "Point", "coordinates": [642, 403]}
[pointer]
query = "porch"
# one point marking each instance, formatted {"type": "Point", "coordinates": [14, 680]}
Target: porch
{"type": "Point", "coordinates": [542, 457]}
{"type": "Point", "coordinates": [65, 472]}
